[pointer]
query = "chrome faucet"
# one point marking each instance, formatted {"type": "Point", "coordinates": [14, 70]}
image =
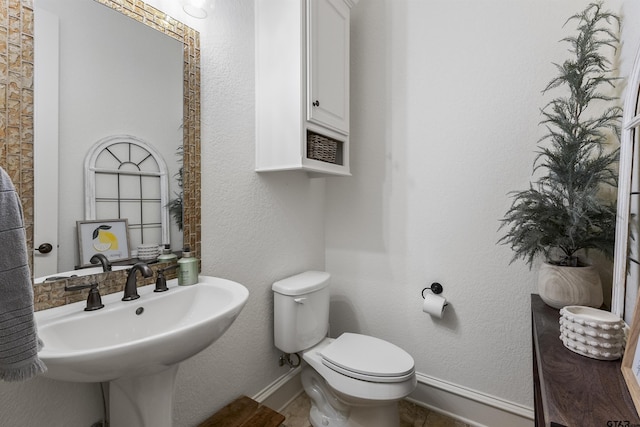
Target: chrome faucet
{"type": "Point", "coordinates": [131, 287]}
{"type": "Point", "coordinates": [100, 258]}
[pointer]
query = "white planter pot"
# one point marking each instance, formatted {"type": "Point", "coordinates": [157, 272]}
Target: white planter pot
{"type": "Point", "coordinates": [560, 286]}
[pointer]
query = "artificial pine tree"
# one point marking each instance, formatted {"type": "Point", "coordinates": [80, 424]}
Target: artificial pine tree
{"type": "Point", "coordinates": [568, 209]}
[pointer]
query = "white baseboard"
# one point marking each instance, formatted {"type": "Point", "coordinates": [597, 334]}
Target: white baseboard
{"type": "Point", "coordinates": [282, 391]}
{"type": "Point", "coordinates": [470, 406]}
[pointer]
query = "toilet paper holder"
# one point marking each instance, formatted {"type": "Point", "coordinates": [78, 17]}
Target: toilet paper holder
{"type": "Point", "coordinates": [435, 287]}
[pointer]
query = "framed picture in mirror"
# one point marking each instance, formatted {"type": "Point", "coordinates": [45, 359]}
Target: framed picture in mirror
{"type": "Point", "coordinates": [109, 237]}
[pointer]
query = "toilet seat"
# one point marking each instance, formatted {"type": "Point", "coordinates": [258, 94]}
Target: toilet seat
{"type": "Point", "coordinates": [350, 389]}
{"type": "Point", "coordinates": [368, 358]}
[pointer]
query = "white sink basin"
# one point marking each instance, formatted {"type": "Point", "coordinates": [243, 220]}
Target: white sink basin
{"type": "Point", "coordinates": [140, 337]}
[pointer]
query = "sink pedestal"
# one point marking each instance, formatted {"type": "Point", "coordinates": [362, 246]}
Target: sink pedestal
{"type": "Point", "coordinates": [143, 401]}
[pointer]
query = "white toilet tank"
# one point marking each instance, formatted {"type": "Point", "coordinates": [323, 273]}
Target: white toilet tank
{"type": "Point", "coordinates": [301, 310]}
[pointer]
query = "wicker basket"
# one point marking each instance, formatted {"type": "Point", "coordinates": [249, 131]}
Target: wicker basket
{"type": "Point", "coordinates": [321, 148]}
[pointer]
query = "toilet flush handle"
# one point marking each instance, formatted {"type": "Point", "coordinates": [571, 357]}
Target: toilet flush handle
{"type": "Point", "coordinates": [299, 300]}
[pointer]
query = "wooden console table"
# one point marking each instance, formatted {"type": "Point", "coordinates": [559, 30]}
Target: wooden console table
{"type": "Point", "coordinates": [573, 390]}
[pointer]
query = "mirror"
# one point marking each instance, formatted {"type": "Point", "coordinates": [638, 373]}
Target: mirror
{"type": "Point", "coordinates": [626, 266]}
{"type": "Point", "coordinates": [139, 68]}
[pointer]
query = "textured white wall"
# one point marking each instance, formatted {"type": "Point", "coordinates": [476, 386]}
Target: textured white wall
{"type": "Point", "coordinates": [255, 229]}
{"type": "Point", "coordinates": [445, 100]}
{"type": "Point", "coordinates": [445, 104]}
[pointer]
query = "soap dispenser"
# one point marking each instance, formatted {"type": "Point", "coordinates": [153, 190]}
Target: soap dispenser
{"type": "Point", "coordinates": [188, 268]}
{"type": "Point", "coordinates": [167, 255]}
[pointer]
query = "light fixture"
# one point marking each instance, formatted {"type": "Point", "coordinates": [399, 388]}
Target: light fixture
{"type": "Point", "coordinates": [195, 8]}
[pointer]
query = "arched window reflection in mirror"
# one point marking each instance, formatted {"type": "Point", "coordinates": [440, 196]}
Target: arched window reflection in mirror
{"type": "Point", "coordinates": [626, 269]}
{"type": "Point", "coordinates": [125, 177]}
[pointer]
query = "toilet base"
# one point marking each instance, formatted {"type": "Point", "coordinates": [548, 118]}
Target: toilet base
{"type": "Point", "coordinates": [328, 411]}
{"type": "Point", "coordinates": [382, 416]}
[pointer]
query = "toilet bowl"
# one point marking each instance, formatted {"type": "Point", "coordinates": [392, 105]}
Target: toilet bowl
{"type": "Point", "coordinates": [354, 380]}
{"type": "Point", "coordinates": [357, 380]}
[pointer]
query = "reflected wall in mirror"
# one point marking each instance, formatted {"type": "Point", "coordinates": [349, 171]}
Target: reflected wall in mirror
{"type": "Point", "coordinates": [16, 113]}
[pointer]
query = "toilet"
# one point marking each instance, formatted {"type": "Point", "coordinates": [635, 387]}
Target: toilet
{"type": "Point", "coordinates": [352, 381]}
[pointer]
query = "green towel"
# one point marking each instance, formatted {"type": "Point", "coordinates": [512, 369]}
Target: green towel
{"type": "Point", "coordinates": [18, 339]}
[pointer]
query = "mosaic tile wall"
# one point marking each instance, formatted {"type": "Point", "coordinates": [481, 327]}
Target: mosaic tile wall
{"type": "Point", "coordinates": [16, 100]}
{"type": "Point", "coordinates": [16, 125]}
{"type": "Point", "coordinates": [52, 294]}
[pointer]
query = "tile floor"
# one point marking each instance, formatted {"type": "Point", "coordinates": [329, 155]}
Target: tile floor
{"type": "Point", "coordinates": [411, 415]}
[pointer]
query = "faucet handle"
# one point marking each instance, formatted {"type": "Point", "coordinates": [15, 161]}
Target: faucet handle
{"type": "Point", "coordinates": [94, 300]}
{"type": "Point", "coordinates": [161, 281]}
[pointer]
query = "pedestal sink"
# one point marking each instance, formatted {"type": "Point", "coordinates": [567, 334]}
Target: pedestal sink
{"type": "Point", "coordinates": [137, 345]}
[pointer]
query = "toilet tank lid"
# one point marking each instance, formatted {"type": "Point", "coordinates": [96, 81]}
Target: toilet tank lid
{"type": "Point", "coordinates": [302, 283]}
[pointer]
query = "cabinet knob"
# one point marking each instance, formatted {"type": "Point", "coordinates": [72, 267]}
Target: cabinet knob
{"type": "Point", "coordinates": [316, 103]}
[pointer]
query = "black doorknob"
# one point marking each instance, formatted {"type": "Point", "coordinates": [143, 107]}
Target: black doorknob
{"type": "Point", "coordinates": [316, 103]}
{"type": "Point", "coordinates": [44, 248]}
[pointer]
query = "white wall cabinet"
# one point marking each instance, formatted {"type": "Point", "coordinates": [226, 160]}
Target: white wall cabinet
{"type": "Point", "coordinates": [302, 85]}
{"type": "Point", "coordinates": [328, 64]}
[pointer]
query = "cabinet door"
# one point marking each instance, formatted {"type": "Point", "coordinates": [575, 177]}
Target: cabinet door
{"type": "Point", "coordinates": [328, 64]}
